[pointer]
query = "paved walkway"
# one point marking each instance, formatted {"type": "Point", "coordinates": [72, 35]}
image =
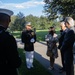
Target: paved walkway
{"type": "Point", "coordinates": [40, 55]}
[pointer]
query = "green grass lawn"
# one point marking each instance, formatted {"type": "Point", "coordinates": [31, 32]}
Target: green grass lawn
{"type": "Point", "coordinates": [40, 34]}
{"type": "Point", "coordinates": [16, 34]}
{"type": "Point", "coordinates": [38, 68]}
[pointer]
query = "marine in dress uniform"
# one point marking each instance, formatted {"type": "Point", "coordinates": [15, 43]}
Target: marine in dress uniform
{"type": "Point", "coordinates": [9, 56]}
{"type": "Point", "coordinates": [29, 38]}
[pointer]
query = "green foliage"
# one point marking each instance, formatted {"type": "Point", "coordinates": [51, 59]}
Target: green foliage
{"type": "Point", "coordinates": [16, 34]}
{"type": "Point", "coordinates": [39, 22]}
{"type": "Point", "coordinates": [18, 23]}
{"type": "Point", "coordinates": [33, 20]}
{"type": "Point", "coordinates": [38, 68]}
{"type": "Point", "coordinates": [55, 7]}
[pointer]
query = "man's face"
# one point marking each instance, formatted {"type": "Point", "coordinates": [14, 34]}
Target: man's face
{"type": "Point", "coordinates": [51, 29]}
{"type": "Point", "coordinates": [62, 26]}
{"type": "Point", "coordinates": [28, 27]}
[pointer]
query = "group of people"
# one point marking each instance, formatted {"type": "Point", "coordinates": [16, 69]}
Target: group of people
{"type": "Point", "coordinates": [65, 45]}
{"type": "Point", "coordinates": [10, 59]}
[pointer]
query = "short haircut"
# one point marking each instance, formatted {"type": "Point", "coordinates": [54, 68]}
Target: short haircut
{"type": "Point", "coordinates": [51, 27]}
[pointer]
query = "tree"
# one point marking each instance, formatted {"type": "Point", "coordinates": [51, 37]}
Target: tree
{"type": "Point", "coordinates": [19, 22]}
{"type": "Point", "coordinates": [39, 22]}
{"type": "Point", "coordinates": [44, 24]}
{"type": "Point", "coordinates": [33, 19]}
{"type": "Point", "coordinates": [63, 7]}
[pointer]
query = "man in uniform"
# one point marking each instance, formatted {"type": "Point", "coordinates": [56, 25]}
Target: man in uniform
{"type": "Point", "coordinates": [29, 38]}
{"type": "Point", "coordinates": [9, 56]}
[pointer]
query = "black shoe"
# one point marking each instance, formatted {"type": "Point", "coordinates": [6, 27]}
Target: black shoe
{"type": "Point", "coordinates": [61, 68]}
{"type": "Point", "coordinates": [51, 68]}
{"type": "Point", "coordinates": [61, 71]}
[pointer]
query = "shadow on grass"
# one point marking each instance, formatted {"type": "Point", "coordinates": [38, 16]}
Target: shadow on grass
{"type": "Point", "coordinates": [41, 65]}
{"type": "Point", "coordinates": [37, 70]}
{"type": "Point", "coordinates": [46, 64]}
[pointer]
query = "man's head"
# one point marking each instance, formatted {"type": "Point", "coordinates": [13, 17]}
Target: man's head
{"type": "Point", "coordinates": [5, 17]}
{"type": "Point", "coordinates": [69, 22]}
{"type": "Point", "coordinates": [51, 28]}
{"type": "Point", "coordinates": [62, 25]}
{"type": "Point", "coordinates": [28, 26]}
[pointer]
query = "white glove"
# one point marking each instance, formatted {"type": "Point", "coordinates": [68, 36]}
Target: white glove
{"type": "Point", "coordinates": [32, 40]}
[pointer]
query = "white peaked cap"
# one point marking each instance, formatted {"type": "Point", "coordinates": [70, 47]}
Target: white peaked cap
{"type": "Point", "coordinates": [27, 23]}
{"type": "Point", "coordinates": [6, 11]}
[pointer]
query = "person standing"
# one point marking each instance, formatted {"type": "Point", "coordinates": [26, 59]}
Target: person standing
{"type": "Point", "coordinates": [28, 37]}
{"type": "Point", "coordinates": [63, 32]}
{"type": "Point", "coordinates": [67, 46]}
{"type": "Point", "coordinates": [10, 59]}
{"type": "Point", "coordinates": [51, 38]}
